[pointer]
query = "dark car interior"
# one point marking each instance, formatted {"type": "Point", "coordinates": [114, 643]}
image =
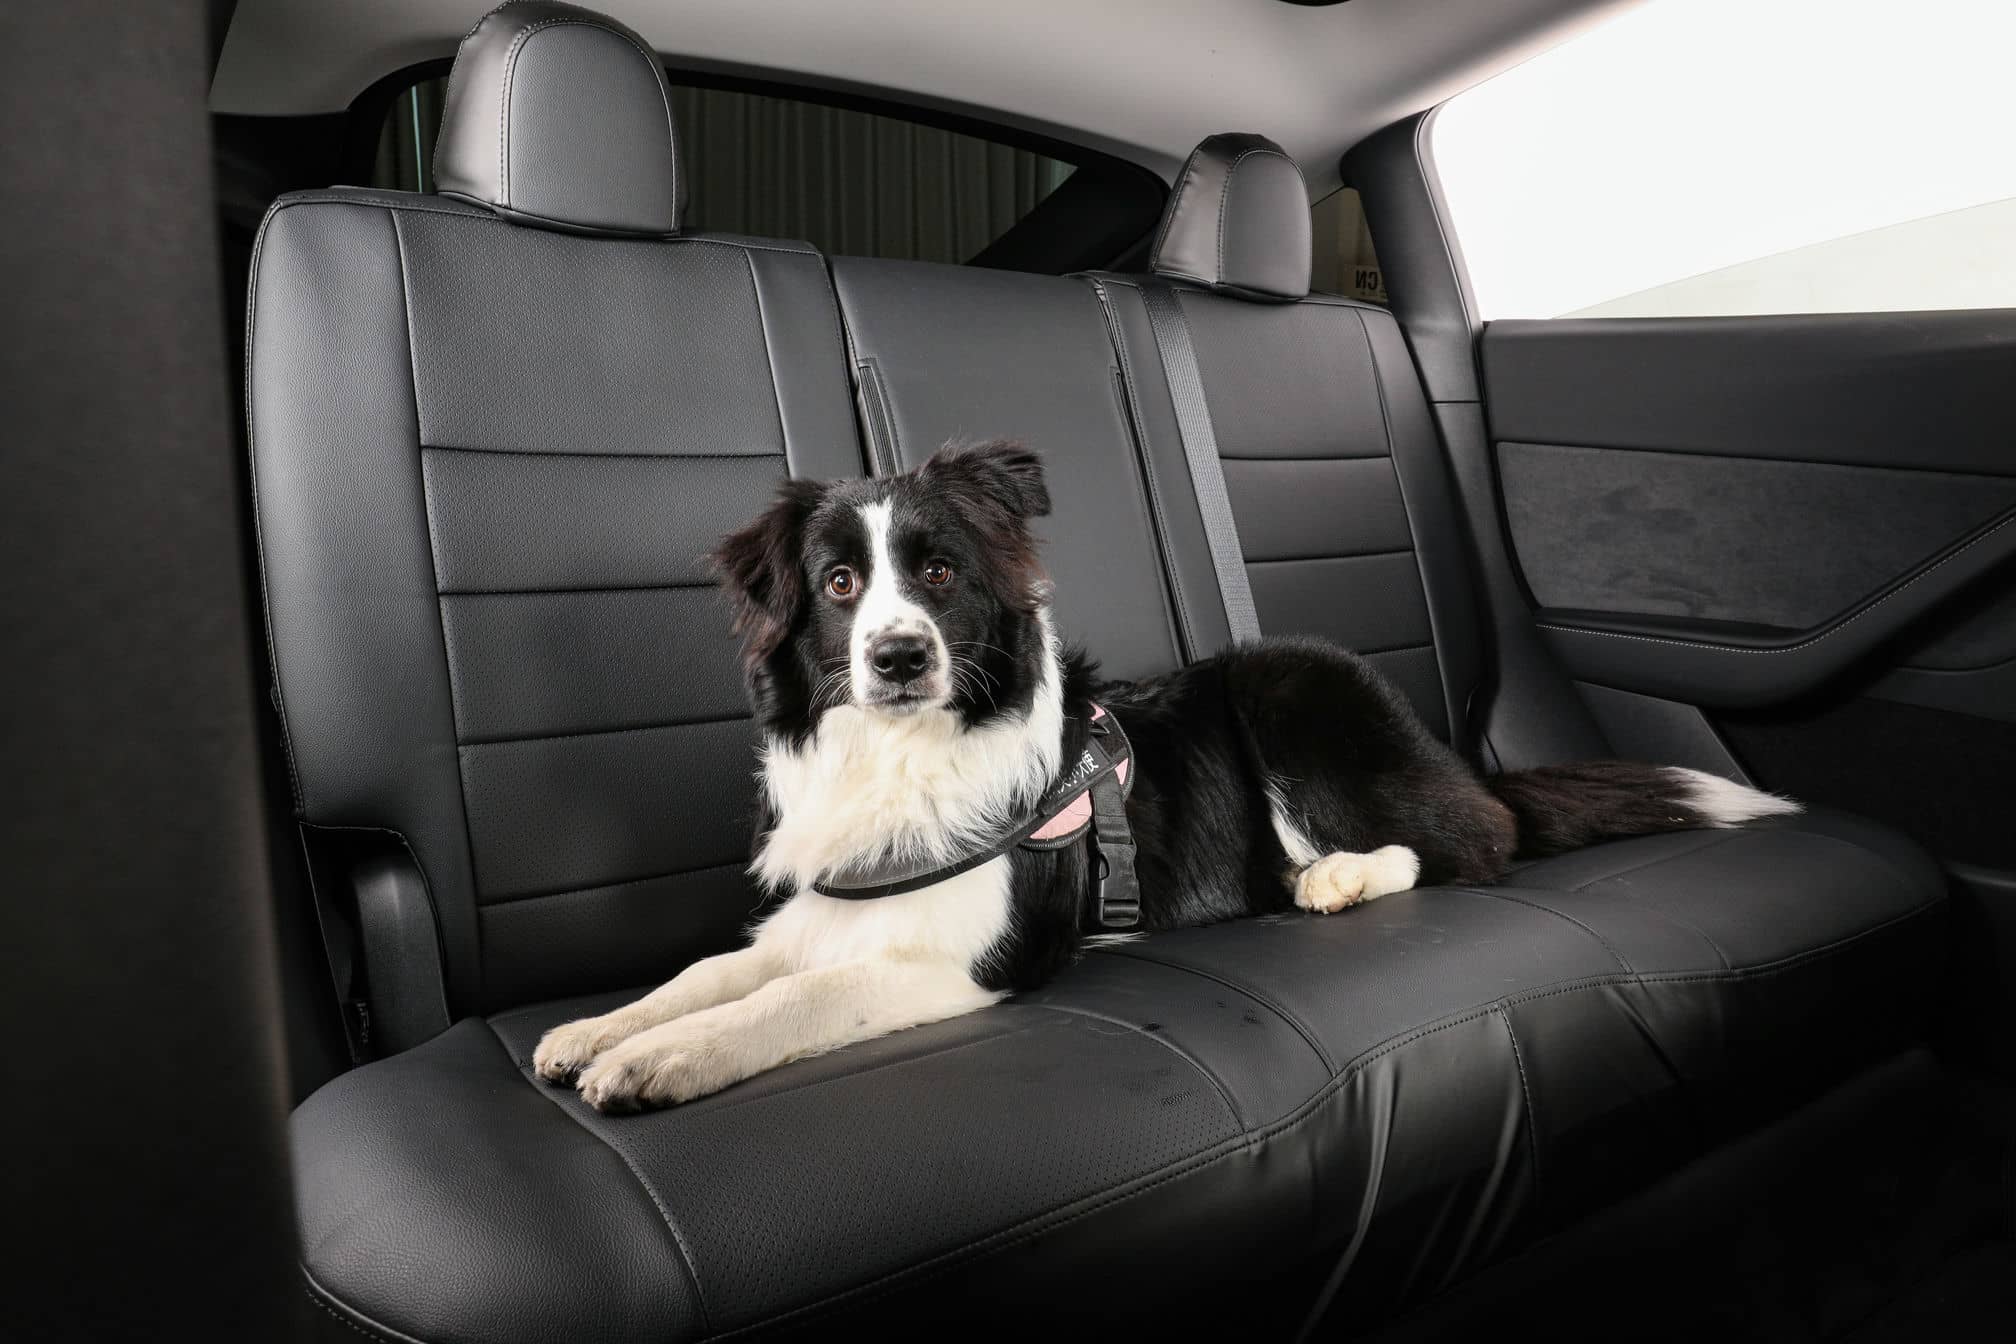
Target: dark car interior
{"type": "Point", "coordinates": [374, 710]}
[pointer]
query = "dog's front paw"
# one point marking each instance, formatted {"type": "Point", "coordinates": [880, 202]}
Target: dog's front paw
{"type": "Point", "coordinates": [571, 1047]}
{"type": "Point", "coordinates": [659, 1068]}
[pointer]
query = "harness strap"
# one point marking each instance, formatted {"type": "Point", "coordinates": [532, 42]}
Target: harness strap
{"type": "Point", "coordinates": [1119, 891]}
{"type": "Point", "coordinates": [1090, 802]}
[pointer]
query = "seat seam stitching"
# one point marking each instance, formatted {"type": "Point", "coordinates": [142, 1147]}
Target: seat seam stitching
{"type": "Point", "coordinates": [1878, 855]}
{"type": "Point", "coordinates": [484, 216]}
{"type": "Point", "coordinates": [472, 991]}
{"type": "Point", "coordinates": [1713, 840]}
{"type": "Point", "coordinates": [461, 745]}
{"type": "Point", "coordinates": [343, 1320]}
{"type": "Point", "coordinates": [1499, 895]}
{"type": "Point", "coordinates": [584, 590]}
{"type": "Point", "coordinates": [885, 445]}
{"type": "Point", "coordinates": [1258, 996]}
{"type": "Point", "coordinates": [1171, 208]}
{"type": "Point", "coordinates": [1452, 705]}
{"type": "Point", "coordinates": [1692, 928]}
{"type": "Point", "coordinates": [1225, 197]}
{"type": "Point", "coordinates": [1209, 1074]}
{"type": "Point", "coordinates": [493, 903]}
{"type": "Point", "coordinates": [769, 360]}
{"type": "Point", "coordinates": [258, 530]}
{"type": "Point", "coordinates": [1526, 1094]}
{"type": "Point", "coordinates": [1348, 555]}
{"type": "Point", "coordinates": [568, 453]}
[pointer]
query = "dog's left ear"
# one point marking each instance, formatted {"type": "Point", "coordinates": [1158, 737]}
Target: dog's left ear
{"type": "Point", "coordinates": [762, 571]}
{"type": "Point", "coordinates": [1002, 472]}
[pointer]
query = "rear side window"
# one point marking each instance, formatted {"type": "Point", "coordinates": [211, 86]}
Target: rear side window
{"type": "Point", "coordinates": [1344, 261]}
{"type": "Point", "coordinates": [849, 182]}
{"type": "Point", "coordinates": [1705, 157]}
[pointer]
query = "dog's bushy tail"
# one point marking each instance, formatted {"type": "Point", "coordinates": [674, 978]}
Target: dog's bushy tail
{"type": "Point", "coordinates": [1564, 807]}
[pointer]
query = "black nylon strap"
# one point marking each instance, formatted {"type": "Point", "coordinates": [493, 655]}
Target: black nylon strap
{"type": "Point", "coordinates": [1119, 891]}
{"type": "Point", "coordinates": [1200, 447]}
{"type": "Point", "coordinates": [1097, 772]}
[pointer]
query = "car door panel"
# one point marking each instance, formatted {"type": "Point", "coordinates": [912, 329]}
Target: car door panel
{"type": "Point", "coordinates": [1739, 512]}
{"type": "Point", "coordinates": [1787, 539]}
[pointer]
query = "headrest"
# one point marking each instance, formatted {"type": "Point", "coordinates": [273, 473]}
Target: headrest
{"type": "Point", "coordinates": [560, 117]}
{"type": "Point", "coordinates": [1238, 221]}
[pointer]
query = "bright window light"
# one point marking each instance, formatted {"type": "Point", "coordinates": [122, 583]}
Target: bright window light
{"type": "Point", "coordinates": [1733, 156]}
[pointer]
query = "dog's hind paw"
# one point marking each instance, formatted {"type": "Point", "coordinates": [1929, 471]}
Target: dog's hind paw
{"type": "Point", "coordinates": [1337, 880]}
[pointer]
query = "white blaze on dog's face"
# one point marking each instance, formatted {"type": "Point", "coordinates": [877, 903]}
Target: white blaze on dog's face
{"type": "Point", "coordinates": [895, 596]}
{"type": "Point", "coordinates": [897, 659]}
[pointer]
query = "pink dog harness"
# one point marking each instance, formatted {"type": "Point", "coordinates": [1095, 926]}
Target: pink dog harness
{"type": "Point", "coordinates": [1087, 805]}
{"type": "Point", "coordinates": [1069, 821]}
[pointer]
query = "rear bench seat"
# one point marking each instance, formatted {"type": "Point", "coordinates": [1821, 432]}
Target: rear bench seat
{"type": "Point", "coordinates": [492, 437]}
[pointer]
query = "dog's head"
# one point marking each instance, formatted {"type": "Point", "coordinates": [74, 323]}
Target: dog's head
{"type": "Point", "coordinates": [905, 595]}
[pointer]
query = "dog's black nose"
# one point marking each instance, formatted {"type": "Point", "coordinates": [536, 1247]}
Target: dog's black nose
{"type": "Point", "coordinates": [901, 658]}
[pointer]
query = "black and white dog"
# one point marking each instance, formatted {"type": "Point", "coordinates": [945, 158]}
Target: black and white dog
{"type": "Point", "coordinates": [915, 704]}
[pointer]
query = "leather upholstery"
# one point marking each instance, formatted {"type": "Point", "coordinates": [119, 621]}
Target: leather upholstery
{"type": "Point", "coordinates": [1331, 462]}
{"type": "Point", "coordinates": [1238, 221]}
{"type": "Point", "coordinates": [945, 352]}
{"type": "Point", "coordinates": [487, 460]}
{"type": "Point", "coordinates": [561, 117]}
{"type": "Point", "coordinates": [1434, 1082]}
{"type": "Point", "coordinates": [473, 543]}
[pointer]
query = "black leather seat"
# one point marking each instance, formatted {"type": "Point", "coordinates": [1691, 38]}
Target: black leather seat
{"type": "Point", "coordinates": [492, 435]}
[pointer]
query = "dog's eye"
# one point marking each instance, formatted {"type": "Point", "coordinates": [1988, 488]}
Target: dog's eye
{"type": "Point", "coordinates": [937, 573]}
{"type": "Point", "coordinates": [840, 582]}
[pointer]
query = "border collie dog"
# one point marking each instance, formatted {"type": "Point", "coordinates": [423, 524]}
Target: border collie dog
{"type": "Point", "coordinates": [916, 705]}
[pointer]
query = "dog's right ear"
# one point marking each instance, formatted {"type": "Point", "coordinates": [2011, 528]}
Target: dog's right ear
{"type": "Point", "coordinates": [762, 571]}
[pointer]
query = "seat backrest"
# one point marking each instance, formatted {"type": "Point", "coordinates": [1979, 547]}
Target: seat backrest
{"type": "Point", "coordinates": [1331, 462]}
{"type": "Point", "coordinates": [494, 436]}
{"type": "Point", "coordinates": [950, 352]}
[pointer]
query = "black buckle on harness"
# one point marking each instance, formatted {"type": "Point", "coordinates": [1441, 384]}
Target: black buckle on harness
{"type": "Point", "coordinates": [1119, 890]}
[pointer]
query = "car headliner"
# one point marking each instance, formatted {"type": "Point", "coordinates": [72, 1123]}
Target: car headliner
{"type": "Point", "coordinates": [1143, 79]}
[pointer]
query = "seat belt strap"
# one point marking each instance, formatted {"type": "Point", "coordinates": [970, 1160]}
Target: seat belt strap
{"type": "Point", "coordinates": [1200, 446]}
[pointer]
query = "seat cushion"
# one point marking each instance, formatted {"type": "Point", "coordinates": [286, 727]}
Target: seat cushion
{"type": "Point", "coordinates": [1408, 1090]}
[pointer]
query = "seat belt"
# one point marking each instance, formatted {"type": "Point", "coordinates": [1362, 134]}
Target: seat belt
{"type": "Point", "coordinates": [1200, 445]}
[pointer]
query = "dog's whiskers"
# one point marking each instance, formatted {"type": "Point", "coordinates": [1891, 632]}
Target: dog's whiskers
{"type": "Point", "coordinates": [969, 678]}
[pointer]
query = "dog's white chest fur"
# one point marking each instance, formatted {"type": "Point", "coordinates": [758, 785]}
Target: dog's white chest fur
{"type": "Point", "coordinates": [922, 789]}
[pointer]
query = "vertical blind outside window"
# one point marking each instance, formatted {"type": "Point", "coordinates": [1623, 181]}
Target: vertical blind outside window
{"type": "Point", "coordinates": [851, 183]}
